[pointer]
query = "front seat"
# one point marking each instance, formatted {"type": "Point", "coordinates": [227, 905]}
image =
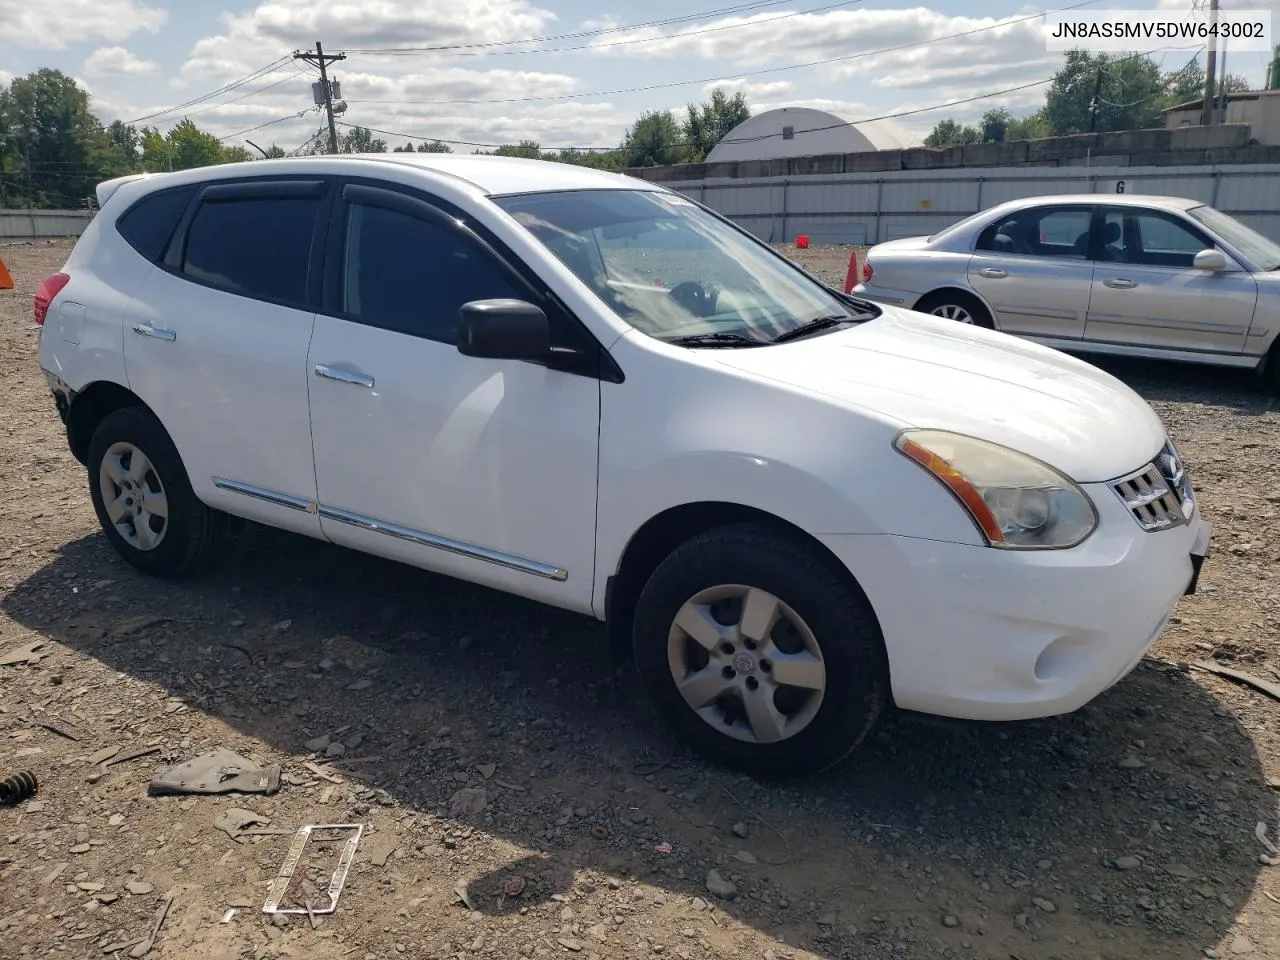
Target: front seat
{"type": "Point", "coordinates": [1111, 236]}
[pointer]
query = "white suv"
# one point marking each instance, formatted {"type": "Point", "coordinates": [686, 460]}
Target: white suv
{"type": "Point", "coordinates": [794, 507]}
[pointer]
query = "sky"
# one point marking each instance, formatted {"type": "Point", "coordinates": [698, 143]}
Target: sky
{"type": "Point", "coordinates": [492, 86]}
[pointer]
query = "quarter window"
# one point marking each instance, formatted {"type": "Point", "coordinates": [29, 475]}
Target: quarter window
{"type": "Point", "coordinates": [149, 223]}
{"type": "Point", "coordinates": [405, 274]}
{"type": "Point", "coordinates": [256, 247]}
{"type": "Point", "coordinates": [1057, 232]}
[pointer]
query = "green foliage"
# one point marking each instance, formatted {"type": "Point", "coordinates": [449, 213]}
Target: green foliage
{"type": "Point", "coordinates": [948, 133]}
{"type": "Point", "coordinates": [709, 123]}
{"type": "Point", "coordinates": [359, 140]}
{"type": "Point", "coordinates": [654, 140]}
{"type": "Point", "coordinates": [528, 149]}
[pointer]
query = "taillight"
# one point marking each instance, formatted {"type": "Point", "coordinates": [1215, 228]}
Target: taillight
{"type": "Point", "coordinates": [51, 287]}
{"type": "Point", "coordinates": [866, 271]}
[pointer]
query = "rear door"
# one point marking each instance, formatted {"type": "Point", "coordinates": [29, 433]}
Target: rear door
{"type": "Point", "coordinates": [1033, 268]}
{"type": "Point", "coordinates": [217, 346]}
{"type": "Point", "coordinates": [1147, 292]}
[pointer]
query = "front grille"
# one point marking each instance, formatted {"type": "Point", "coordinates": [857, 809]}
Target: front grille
{"type": "Point", "coordinates": [1159, 495]}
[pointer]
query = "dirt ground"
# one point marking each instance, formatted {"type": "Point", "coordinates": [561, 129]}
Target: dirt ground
{"type": "Point", "coordinates": [1127, 830]}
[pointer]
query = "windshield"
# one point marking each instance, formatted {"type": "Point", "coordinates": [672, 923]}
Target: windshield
{"type": "Point", "coordinates": [1265, 253]}
{"type": "Point", "coordinates": [672, 270]}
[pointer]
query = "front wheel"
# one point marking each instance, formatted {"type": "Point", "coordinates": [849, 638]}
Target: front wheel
{"type": "Point", "coordinates": [143, 498]}
{"type": "Point", "coordinates": [760, 652]}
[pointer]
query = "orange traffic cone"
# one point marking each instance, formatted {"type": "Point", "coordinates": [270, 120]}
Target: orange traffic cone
{"type": "Point", "coordinates": [851, 278]}
{"type": "Point", "coordinates": [6, 281]}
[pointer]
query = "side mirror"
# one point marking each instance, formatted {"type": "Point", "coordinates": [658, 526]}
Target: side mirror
{"type": "Point", "coordinates": [503, 330]}
{"type": "Point", "coordinates": [1211, 260]}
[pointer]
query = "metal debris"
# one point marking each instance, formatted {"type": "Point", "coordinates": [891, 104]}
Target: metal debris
{"type": "Point", "coordinates": [218, 772]}
{"type": "Point", "coordinates": [280, 885]}
{"type": "Point", "coordinates": [18, 787]}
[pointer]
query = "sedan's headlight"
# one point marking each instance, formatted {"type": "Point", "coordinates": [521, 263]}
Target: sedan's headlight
{"type": "Point", "coordinates": [1017, 501]}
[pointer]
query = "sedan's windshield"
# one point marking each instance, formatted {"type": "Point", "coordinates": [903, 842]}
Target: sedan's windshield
{"type": "Point", "coordinates": [1263, 252]}
{"type": "Point", "coordinates": [675, 272]}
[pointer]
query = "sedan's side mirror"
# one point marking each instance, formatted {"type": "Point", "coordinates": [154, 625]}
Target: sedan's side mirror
{"type": "Point", "coordinates": [1211, 260]}
{"type": "Point", "coordinates": [503, 330]}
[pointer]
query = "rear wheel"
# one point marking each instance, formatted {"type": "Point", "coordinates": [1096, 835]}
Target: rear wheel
{"type": "Point", "coordinates": [760, 652]}
{"type": "Point", "coordinates": [956, 305]}
{"type": "Point", "coordinates": [143, 499]}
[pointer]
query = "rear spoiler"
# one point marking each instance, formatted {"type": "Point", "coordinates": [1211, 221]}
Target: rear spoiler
{"type": "Point", "coordinates": [107, 187]}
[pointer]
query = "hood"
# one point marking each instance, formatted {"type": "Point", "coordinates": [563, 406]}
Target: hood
{"type": "Point", "coordinates": [922, 371]}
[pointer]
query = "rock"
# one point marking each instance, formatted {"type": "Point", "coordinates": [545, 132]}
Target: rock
{"type": "Point", "coordinates": [699, 904]}
{"type": "Point", "coordinates": [1040, 903]}
{"type": "Point", "coordinates": [81, 848]}
{"type": "Point", "coordinates": [335, 750]}
{"type": "Point", "coordinates": [139, 888]}
{"type": "Point", "coordinates": [91, 887]}
{"type": "Point", "coordinates": [951, 921]}
{"type": "Point", "coordinates": [720, 887]}
{"type": "Point", "coordinates": [468, 802]}
{"type": "Point", "coordinates": [1128, 863]}
{"type": "Point", "coordinates": [573, 946]}
{"type": "Point", "coordinates": [1179, 870]}
{"type": "Point", "coordinates": [740, 830]}
{"type": "Point", "coordinates": [35, 806]}
{"type": "Point", "coordinates": [1242, 946]}
{"type": "Point", "coordinates": [115, 820]}
{"type": "Point", "coordinates": [318, 744]}
{"type": "Point", "coordinates": [1132, 763]}
{"type": "Point", "coordinates": [742, 856]}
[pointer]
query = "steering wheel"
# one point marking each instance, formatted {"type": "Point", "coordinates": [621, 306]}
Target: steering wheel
{"type": "Point", "coordinates": [699, 299]}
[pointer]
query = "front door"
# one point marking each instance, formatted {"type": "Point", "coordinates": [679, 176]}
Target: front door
{"type": "Point", "coordinates": [475, 468]}
{"type": "Point", "coordinates": [217, 346]}
{"type": "Point", "coordinates": [1146, 291]}
{"type": "Point", "coordinates": [1033, 267]}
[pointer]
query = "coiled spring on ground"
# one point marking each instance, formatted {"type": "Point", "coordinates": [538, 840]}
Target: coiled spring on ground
{"type": "Point", "coordinates": [17, 788]}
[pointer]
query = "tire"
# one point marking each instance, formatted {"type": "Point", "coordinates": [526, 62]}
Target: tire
{"type": "Point", "coordinates": [129, 495]}
{"type": "Point", "coordinates": [1271, 369]}
{"type": "Point", "coordinates": [824, 630]}
{"type": "Point", "coordinates": [955, 305]}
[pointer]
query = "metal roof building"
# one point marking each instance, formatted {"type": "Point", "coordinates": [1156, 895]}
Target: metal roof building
{"type": "Point", "coordinates": [805, 132]}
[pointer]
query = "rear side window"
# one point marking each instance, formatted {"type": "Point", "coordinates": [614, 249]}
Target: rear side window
{"type": "Point", "coordinates": [148, 225]}
{"type": "Point", "coordinates": [256, 247]}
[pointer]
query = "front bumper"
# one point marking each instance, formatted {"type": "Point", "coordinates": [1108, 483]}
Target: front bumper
{"type": "Point", "coordinates": [985, 634]}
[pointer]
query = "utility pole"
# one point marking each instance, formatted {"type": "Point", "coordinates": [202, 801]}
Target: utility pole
{"type": "Point", "coordinates": [1209, 108]}
{"type": "Point", "coordinates": [1222, 81]}
{"type": "Point", "coordinates": [1095, 105]}
{"type": "Point", "coordinates": [322, 60]}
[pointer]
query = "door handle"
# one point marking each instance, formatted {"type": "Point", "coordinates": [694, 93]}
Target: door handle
{"type": "Point", "coordinates": [158, 333]}
{"type": "Point", "coordinates": [344, 376]}
{"type": "Point", "coordinates": [992, 273]}
{"type": "Point", "coordinates": [1119, 283]}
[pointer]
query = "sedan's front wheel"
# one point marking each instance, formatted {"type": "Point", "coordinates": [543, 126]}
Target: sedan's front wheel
{"type": "Point", "coordinates": [760, 652]}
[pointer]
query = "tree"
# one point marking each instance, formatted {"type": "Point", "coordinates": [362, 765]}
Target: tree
{"type": "Point", "coordinates": [653, 141]}
{"type": "Point", "coordinates": [192, 147]}
{"type": "Point", "coordinates": [434, 146]}
{"type": "Point", "coordinates": [1027, 128]}
{"type": "Point", "coordinates": [274, 152]}
{"type": "Point", "coordinates": [237, 155]}
{"type": "Point", "coordinates": [709, 123]}
{"type": "Point", "coordinates": [1132, 96]}
{"type": "Point", "coordinates": [1187, 83]}
{"type": "Point", "coordinates": [529, 149]}
{"type": "Point", "coordinates": [994, 126]}
{"type": "Point", "coordinates": [360, 140]}
{"type": "Point", "coordinates": [948, 133]}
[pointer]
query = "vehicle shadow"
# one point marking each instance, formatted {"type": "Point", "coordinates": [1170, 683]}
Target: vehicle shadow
{"type": "Point", "coordinates": [1242, 391]}
{"type": "Point", "coordinates": [940, 840]}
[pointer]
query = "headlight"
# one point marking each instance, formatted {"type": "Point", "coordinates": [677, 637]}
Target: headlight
{"type": "Point", "coordinates": [1018, 502]}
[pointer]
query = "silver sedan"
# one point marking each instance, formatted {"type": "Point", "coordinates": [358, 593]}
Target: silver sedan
{"type": "Point", "coordinates": [1158, 277]}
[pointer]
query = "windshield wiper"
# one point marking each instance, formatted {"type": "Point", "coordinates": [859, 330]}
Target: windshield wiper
{"type": "Point", "coordinates": [813, 326]}
{"type": "Point", "coordinates": [716, 340]}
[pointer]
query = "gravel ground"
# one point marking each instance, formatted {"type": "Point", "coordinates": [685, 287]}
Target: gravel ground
{"type": "Point", "coordinates": [1127, 830]}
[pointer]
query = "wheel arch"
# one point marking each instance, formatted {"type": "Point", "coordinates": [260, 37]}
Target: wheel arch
{"type": "Point", "coordinates": [663, 532]}
{"type": "Point", "coordinates": [952, 289]}
{"type": "Point", "coordinates": [89, 407]}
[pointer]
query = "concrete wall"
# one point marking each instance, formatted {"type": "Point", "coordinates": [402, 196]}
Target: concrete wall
{"type": "Point", "coordinates": [1186, 146]}
{"type": "Point", "coordinates": [873, 207]}
{"type": "Point", "coordinates": [38, 224]}
{"type": "Point", "coordinates": [1259, 111]}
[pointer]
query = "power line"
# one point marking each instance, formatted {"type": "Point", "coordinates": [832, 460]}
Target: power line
{"type": "Point", "coordinates": [248, 78]}
{"type": "Point", "coordinates": [673, 36]}
{"type": "Point", "coordinates": [751, 73]}
{"type": "Point", "coordinates": [683, 18]}
{"type": "Point", "coordinates": [847, 123]}
{"type": "Point", "coordinates": [292, 116]}
{"type": "Point", "coordinates": [245, 96]}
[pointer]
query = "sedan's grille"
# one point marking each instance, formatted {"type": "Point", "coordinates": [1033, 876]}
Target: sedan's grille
{"type": "Point", "coordinates": [1159, 495]}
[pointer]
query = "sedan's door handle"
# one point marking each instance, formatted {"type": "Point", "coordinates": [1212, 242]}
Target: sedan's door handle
{"type": "Point", "coordinates": [1119, 283]}
{"type": "Point", "coordinates": [344, 376]}
{"type": "Point", "coordinates": [158, 333]}
{"type": "Point", "coordinates": [992, 273]}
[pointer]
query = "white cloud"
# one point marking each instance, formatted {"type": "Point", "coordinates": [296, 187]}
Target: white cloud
{"type": "Point", "coordinates": [55, 25]}
{"type": "Point", "coordinates": [118, 60]}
